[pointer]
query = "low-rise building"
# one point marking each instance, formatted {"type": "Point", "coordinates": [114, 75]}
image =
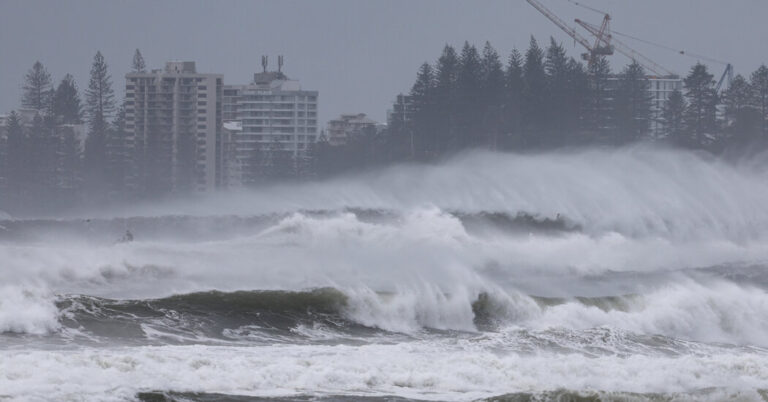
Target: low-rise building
{"type": "Point", "coordinates": [349, 126]}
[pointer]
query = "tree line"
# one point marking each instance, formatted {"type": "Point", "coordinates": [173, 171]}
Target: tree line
{"type": "Point", "coordinates": [537, 100]}
{"type": "Point", "coordinates": [46, 162]}
{"type": "Point", "coordinates": [544, 99]}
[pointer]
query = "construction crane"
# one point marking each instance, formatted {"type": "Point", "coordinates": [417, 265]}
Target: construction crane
{"type": "Point", "coordinates": [605, 43]}
{"type": "Point", "coordinates": [603, 34]}
{"type": "Point", "coordinates": [593, 51]}
{"type": "Point", "coordinates": [725, 78]}
{"type": "Point", "coordinates": [727, 74]}
{"type": "Point", "coordinates": [622, 48]}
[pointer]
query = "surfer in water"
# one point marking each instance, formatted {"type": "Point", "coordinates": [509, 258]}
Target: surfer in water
{"type": "Point", "coordinates": [127, 237]}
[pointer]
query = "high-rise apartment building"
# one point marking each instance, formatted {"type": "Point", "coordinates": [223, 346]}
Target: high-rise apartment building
{"type": "Point", "coordinates": [278, 120]}
{"type": "Point", "coordinates": [174, 122]}
{"type": "Point", "coordinates": [659, 88]}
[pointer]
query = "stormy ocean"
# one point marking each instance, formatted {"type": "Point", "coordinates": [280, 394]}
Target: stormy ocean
{"type": "Point", "coordinates": [633, 274]}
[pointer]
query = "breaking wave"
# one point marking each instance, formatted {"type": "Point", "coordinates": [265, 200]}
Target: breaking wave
{"type": "Point", "coordinates": [717, 312]}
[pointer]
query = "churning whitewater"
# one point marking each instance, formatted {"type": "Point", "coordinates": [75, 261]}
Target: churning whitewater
{"type": "Point", "coordinates": [634, 274]}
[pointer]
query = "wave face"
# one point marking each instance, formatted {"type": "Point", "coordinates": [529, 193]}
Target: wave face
{"type": "Point", "coordinates": [636, 274]}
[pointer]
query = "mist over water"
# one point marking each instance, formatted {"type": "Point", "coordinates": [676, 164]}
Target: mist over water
{"type": "Point", "coordinates": [634, 270]}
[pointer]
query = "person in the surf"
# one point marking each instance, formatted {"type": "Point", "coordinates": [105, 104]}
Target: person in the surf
{"type": "Point", "coordinates": [127, 237]}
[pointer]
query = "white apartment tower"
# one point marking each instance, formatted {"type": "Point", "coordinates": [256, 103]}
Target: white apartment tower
{"type": "Point", "coordinates": [276, 116]}
{"type": "Point", "coordinates": [659, 89]}
{"type": "Point", "coordinates": [174, 123]}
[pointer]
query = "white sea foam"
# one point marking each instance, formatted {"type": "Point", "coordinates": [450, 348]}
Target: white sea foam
{"type": "Point", "coordinates": [27, 309]}
{"type": "Point", "coordinates": [428, 370]}
{"type": "Point", "coordinates": [712, 312]}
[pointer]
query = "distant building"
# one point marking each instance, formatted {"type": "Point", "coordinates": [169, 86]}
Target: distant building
{"type": "Point", "coordinates": [277, 117]}
{"type": "Point", "coordinates": [174, 122]}
{"type": "Point", "coordinates": [659, 89]}
{"type": "Point", "coordinates": [348, 126]}
{"type": "Point", "coordinates": [401, 112]}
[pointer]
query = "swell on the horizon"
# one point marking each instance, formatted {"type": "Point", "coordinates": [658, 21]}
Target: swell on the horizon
{"type": "Point", "coordinates": [638, 190]}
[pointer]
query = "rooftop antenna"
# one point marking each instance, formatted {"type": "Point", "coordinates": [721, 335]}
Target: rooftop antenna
{"type": "Point", "coordinates": [264, 63]}
{"type": "Point", "coordinates": [280, 64]}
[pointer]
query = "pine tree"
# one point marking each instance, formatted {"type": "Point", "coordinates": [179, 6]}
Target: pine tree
{"type": "Point", "coordinates": [741, 115]}
{"type": "Point", "coordinates": [632, 104]}
{"type": "Point", "coordinates": [66, 102]}
{"type": "Point", "coordinates": [422, 97]}
{"type": "Point", "coordinates": [534, 116]}
{"type": "Point", "coordinates": [446, 73]}
{"type": "Point", "coordinates": [399, 132]}
{"type": "Point", "coordinates": [37, 88]}
{"type": "Point", "coordinates": [598, 111]}
{"type": "Point", "coordinates": [468, 97]}
{"type": "Point", "coordinates": [17, 164]}
{"type": "Point", "coordinates": [513, 90]}
{"type": "Point", "coordinates": [68, 179]}
{"type": "Point", "coordinates": [41, 151]}
{"type": "Point", "coordinates": [138, 62]}
{"type": "Point", "coordinates": [99, 107]}
{"type": "Point", "coordinates": [492, 97]}
{"type": "Point", "coordinates": [558, 96]}
{"type": "Point", "coordinates": [579, 80]}
{"type": "Point", "coordinates": [759, 84]}
{"type": "Point", "coordinates": [118, 169]}
{"type": "Point", "coordinates": [673, 116]}
{"type": "Point", "coordinates": [700, 115]}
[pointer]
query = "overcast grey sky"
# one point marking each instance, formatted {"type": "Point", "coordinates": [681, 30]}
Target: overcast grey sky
{"type": "Point", "coordinates": [358, 54]}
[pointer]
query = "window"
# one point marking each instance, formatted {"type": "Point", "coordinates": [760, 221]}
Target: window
{"type": "Point", "coordinates": [200, 110]}
{"type": "Point", "coordinates": [201, 87]}
{"type": "Point", "coordinates": [202, 103]}
{"type": "Point", "coordinates": [202, 95]}
{"type": "Point", "coordinates": [201, 118]}
{"type": "Point", "coordinates": [201, 126]}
